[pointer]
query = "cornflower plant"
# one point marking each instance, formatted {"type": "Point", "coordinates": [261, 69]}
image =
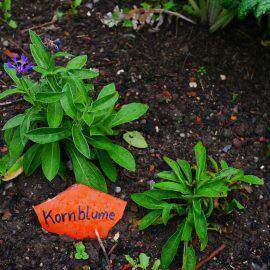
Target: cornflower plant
{"type": "Point", "coordinates": [189, 192]}
{"type": "Point", "coordinates": [65, 115]}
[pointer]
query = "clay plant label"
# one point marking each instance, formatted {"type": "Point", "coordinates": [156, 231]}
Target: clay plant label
{"type": "Point", "coordinates": [79, 212]}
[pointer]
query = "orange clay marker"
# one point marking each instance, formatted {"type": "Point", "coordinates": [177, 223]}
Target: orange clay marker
{"type": "Point", "coordinates": [79, 211]}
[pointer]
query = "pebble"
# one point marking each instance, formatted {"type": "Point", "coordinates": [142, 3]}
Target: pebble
{"type": "Point", "coordinates": [120, 72]}
{"type": "Point", "coordinates": [5, 43]}
{"type": "Point", "coordinates": [256, 159]}
{"type": "Point", "coordinates": [182, 135]}
{"type": "Point", "coordinates": [117, 189]}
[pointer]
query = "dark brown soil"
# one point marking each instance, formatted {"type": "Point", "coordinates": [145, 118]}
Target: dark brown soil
{"type": "Point", "coordinates": [155, 66]}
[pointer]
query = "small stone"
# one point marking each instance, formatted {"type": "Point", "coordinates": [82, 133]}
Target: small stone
{"type": "Point", "coordinates": [117, 189]}
{"type": "Point", "coordinates": [88, 14]}
{"type": "Point", "coordinates": [5, 43]}
{"type": "Point", "coordinates": [222, 77]}
{"type": "Point", "coordinates": [119, 72]}
{"type": "Point", "coordinates": [157, 129]}
{"type": "Point", "coordinates": [261, 197]}
{"type": "Point", "coordinates": [193, 85]}
{"type": "Point", "coordinates": [256, 159]}
{"type": "Point", "coordinates": [262, 167]}
{"type": "Point", "coordinates": [182, 135]}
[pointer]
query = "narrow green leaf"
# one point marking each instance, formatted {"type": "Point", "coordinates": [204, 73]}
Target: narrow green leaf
{"type": "Point", "coordinates": [51, 97]}
{"type": "Point", "coordinates": [168, 175]}
{"type": "Point", "coordinates": [10, 92]}
{"type": "Point", "coordinates": [122, 157]}
{"type": "Point", "coordinates": [189, 259]}
{"type": "Point", "coordinates": [179, 187]}
{"type": "Point", "coordinates": [147, 202]}
{"type": "Point", "coordinates": [14, 122]}
{"type": "Point", "coordinates": [149, 219]}
{"type": "Point", "coordinates": [200, 154]}
{"type": "Point", "coordinates": [32, 159]}
{"type": "Point", "coordinates": [185, 166]}
{"type": "Point", "coordinates": [144, 260]}
{"type": "Point", "coordinates": [107, 165]}
{"type": "Point", "coordinates": [129, 113]}
{"type": "Point", "coordinates": [200, 223]}
{"type": "Point", "coordinates": [77, 62]}
{"type": "Point", "coordinates": [188, 225]}
{"type": "Point", "coordinates": [47, 135]}
{"type": "Point", "coordinates": [170, 249]}
{"type": "Point", "coordinates": [107, 90]}
{"type": "Point", "coordinates": [54, 114]}
{"type": "Point", "coordinates": [166, 213]}
{"type": "Point", "coordinates": [67, 102]}
{"type": "Point", "coordinates": [50, 160]}
{"type": "Point", "coordinates": [175, 167]}
{"type": "Point", "coordinates": [80, 141]}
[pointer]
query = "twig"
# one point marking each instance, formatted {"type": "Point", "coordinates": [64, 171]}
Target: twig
{"type": "Point", "coordinates": [112, 249]}
{"type": "Point", "coordinates": [103, 248]}
{"type": "Point", "coordinates": [52, 21]}
{"type": "Point", "coordinates": [2, 104]}
{"type": "Point", "coordinates": [212, 255]}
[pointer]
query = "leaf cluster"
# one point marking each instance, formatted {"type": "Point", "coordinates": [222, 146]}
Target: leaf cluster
{"type": "Point", "coordinates": [189, 192]}
{"type": "Point", "coordinates": [143, 262]}
{"type": "Point", "coordinates": [65, 115]}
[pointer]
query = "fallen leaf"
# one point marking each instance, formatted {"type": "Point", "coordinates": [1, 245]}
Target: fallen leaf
{"type": "Point", "coordinates": [10, 54]}
{"type": "Point", "coordinates": [192, 94]}
{"type": "Point", "coordinates": [135, 139]}
{"type": "Point", "coordinates": [234, 117]}
{"type": "Point", "coordinates": [152, 168]}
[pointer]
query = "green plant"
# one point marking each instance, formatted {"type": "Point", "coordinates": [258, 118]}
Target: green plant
{"type": "Point", "coordinates": [64, 115]}
{"type": "Point", "coordinates": [81, 254]}
{"type": "Point", "coordinates": [74, 5]}
{"type": "Point", "coordinates": [258, 7]}
{"type": "Point", "coordinates": [212, 12]}
{"type": "Point", "coordinates": [143, 262]}
{"type": "Point", "coordinates": [189, 191]}
{"type": "Point", "coordinates": [5, 6]}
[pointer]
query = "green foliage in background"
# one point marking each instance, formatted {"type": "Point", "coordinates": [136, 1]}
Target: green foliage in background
{"type": "Point", "coordinates": [189, 192]}
{"type": "Point", "coordinates": [66, 119]}
{"type": "Point", "coordinates": [5, 13]}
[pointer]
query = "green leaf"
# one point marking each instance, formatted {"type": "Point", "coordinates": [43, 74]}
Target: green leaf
{"type": "Point", "coordinates": [149, 219]}
{"type": "Point", "coordinates": [54, 114]}
{"type": "Point", "coordinates": [32, 159]}
{"type": "Point", "coordinates": [107, 165]}
{"type": "Point", "coordinates": [107, 90]}
{"type": "Point", "coordinates": [47, 135]}
{"type": "Point", "coordinates": [168, 175]}
{"type": "Point", "coordinates": [84, 74]}
{"type": "Point", "coordinates": [214, 164]}
{"type": "Point", "coordinates": [105, 102]}
{"type": "Point", "coordinates": [189, 259]}
{"type": "Point", "coordinates": [200, 223]}
{"type": "Point", "coordinates": [135, 139]}
{"type": "Point", "coordinates": [159, 194]}
{"type": "Point", "coordinates": [62, 54]}
{"type": "Point", "coordinates": [147, 202]}
{"type": "Point", "coordinates": [85, 171]}
{"type": "Point", "coordinates": [14, 122]}
{"type": "Point", "coordinates": [170, 249]}
{"type": "Point", "coordinates": [175, 167]}
{"type": "Point", "coordinates": [226, 173]}
{"type": "Point", "coordinates": [129, 113]}
{"type": "Point", "coordinates": [224, 164]}
{"type": "Point", "coordinates": [67, 102]}
{"type": "Point", "coordinates": [12, 24]}
{"type": "Point", "coordinates": [12, 73]}
{"type": "Point", "coordinates": [156, 265]}
{"type": "Point", "coordinates": [200, 154]}
{"type": "Point", "coordinates": [144, 261]}
{"type": "Point", "coordinates": [130, 260]}
{"type": "Point", "coordinates": [234, 204]}
{"type": "Point", "coordinates": [15, 145]}
{"type": "Point", "coordinates": [88, 118]}
{"type": "Point", "coordinates": [179, 187]}
{"type": "Point", "coordinates": [252, 179]}
{"type": "Point", "coordinates": [80, 141]}
{"type": "Point", "coordinates": [49, 97]}
{"type": "Point", "coordinates": [10, 92]}
{"type": "Point", "coordinates": [188, 225]}
{"type": "Point", "coordinates": [122, 157]}
{"type": "Point", "coordinates": [166, 213]}
{"type": "Point", "coordinates": [101, 142]}
{"type": "Point", "coordinates": [77, 62]}
{"type": "Point", "coordinates": [184, 165]}
{"type": "Point", "coordinates": [212, 189]}
{"type": "Point", "coordinates": [50, 160]}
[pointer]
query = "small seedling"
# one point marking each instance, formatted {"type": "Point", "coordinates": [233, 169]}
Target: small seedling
{"type": "Point", "coordinates": [81, 254]}
{"type": "Point", "coordinates": [202, 70]}
{"type": "Point", "coordinates": [5, 6]}
{"type": "Point", "coordinates": [143, 262]}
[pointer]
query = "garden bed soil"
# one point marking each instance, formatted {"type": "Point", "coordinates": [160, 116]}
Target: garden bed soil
{"type": "Point", "coordinates": [153, 68]}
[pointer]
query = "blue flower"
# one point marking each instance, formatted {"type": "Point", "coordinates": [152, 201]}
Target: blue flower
{"type": "Point", "coordinates": [22, 65]}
